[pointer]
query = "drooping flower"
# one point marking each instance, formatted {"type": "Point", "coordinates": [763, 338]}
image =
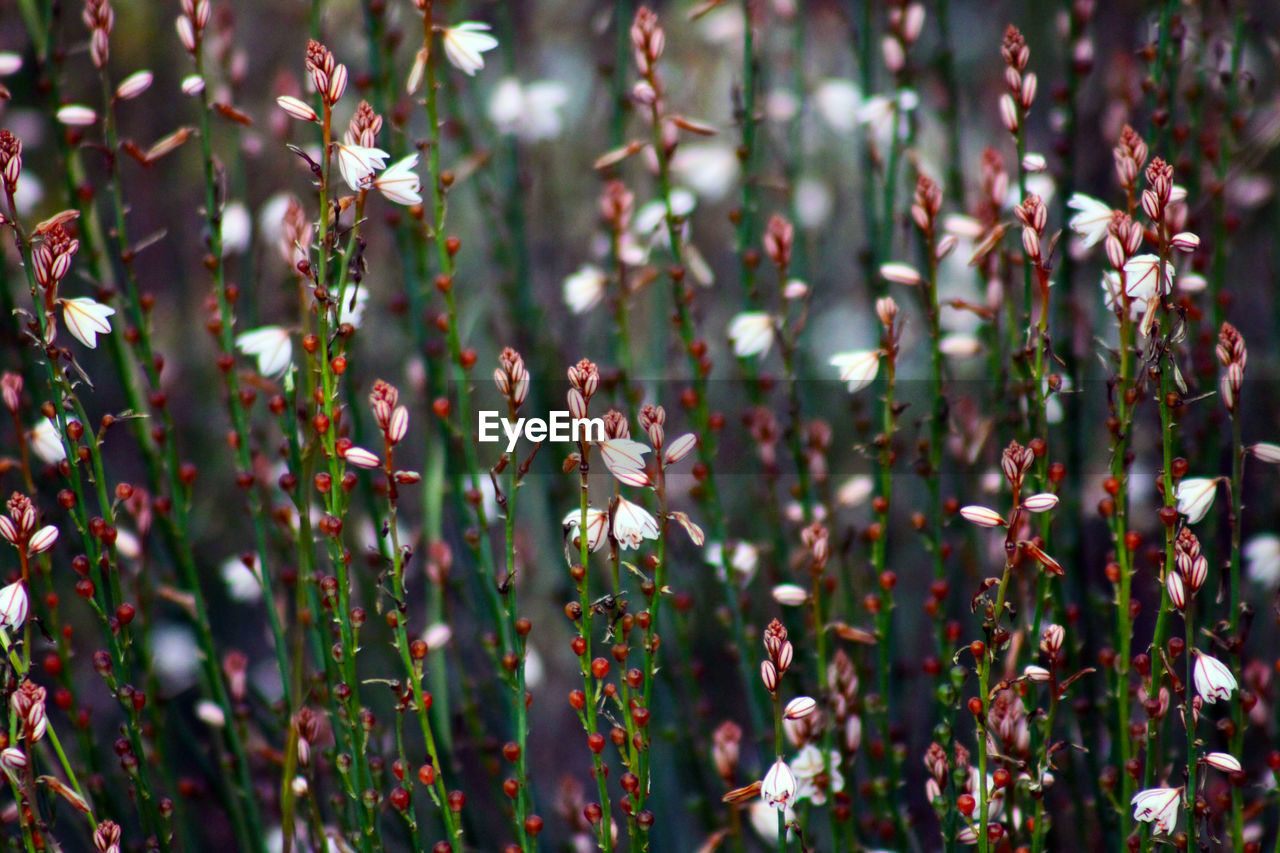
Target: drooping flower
{"type": "Point", "coordinates": [624, 457]}
{"type": "Point", "coordinates": [597, 521]}
{"type": "Point", "coordinates": [400, 182]}
{"type": "Point", "coordinates": [13, 605]}
{"type": "Point", "coordinates": [584, 289]}
{"type": "Point", "coordinates": [358, 164]}
{"type": "Point", "coordinates": [86, 319]}
{"type": "Point", "coordinates": [1195, 496]}
{"type": "Point", "coordinates": [1158, 807]}
{"type": "Point", "coordinates": [779, 785]}
{"type": "Point", "coordinates": [858, 368]}
{"type": "Point", "coordinates": [751, 333]}
{"type": "Point", "coordinates": [271, 346]}
{"type": "Point", "coordinates": [1213, 679]}
{"type": "Point", "coordinates": [1092, 221]}
{"type": "Point", "coordinates": [465, 43]}
{"type": "Point", "coordinates": [632, 524]}
{"type": "Point", "coordinates": [47, 443]}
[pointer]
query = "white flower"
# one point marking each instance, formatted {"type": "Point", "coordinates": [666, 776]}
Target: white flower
{"type": "Point", "coordinates": [744, 559]}
{"type": "Point", "coordinates": [10, 63]}
{"type": "Point", "coordinates": [1224, 761]}
{"type": "Point", "coordinates": [901, 274]}
{"type": "Point", "coordinates": [295, 107]}
{"type": "Point", "coordinates": [1159, 807]}
{"type": "Point", "coordinates": [1266, 452]}
{"type": "Point", "coordinates": [134, 85]}
{"type": "Point", "coordinates": [790, 594]}
{"type": "Point", "coordinates": [596, 521]}
{"type": "Point", "coordinates": [400, 183]}
{"type": "Point", "coordinates": [779, 786]}
{"type": "Point", "coordinates": [47, 443]}
{"type": "Point", "coordinates": [271, 346]}
{"type": "Point", "coordinates": [710, 169]}
{"type": "Point", "coordinates": [175, 656]}
{"type": "Point", "coordinates": [352, 308]}
{"type": "Point", "coordinates": [531, 112]}
{"type": "Point", "coordinates": [1213, 679]}
{"type": "Point", "coordinates": [764, 820]}
{"type": "Point", "coordinates": [241, 580]}
{"type": "Point", "coordinates": [237, 228]}
{"type": "Point", "coordinates": [858, 368]}
{"type": "Point", "coordinates": [358, 164]}
{"type": "Point", "coordinates": [1142, 278]}
{"type": "Point", "coordinates": [838, 102]}
{"type": "Point", "coordinates": [464, 44]}
{"type": "Point", "coordinates": [13, 605]}
{"type": "Point", "coordinates": [855, 490]}
{"type": "Point", "coordinates": [806, 767]}
{"type": "Point", "coordinates": [42, 540]}
{"type": "Point", "coordinates": [632, 524]}
{"type": "Point", "coordinates": [1036, 674]}
{"type": "Point", "coordinates": [751, 333]}
{"type": "Point", "coordinates": [1092, 221]}
{"type": "Point", "coordinates": [1195, 496]}
{"type": "Point", "coordinates": [584, 289]}
{"type": "Point", "coordinates": [76, 115]}
{"type": "Point", "coordinates": [1042, 502]}
{"type": "Point", "coordinates": [192, 84]}
{"type": "Point", "coordinates": [814, 203]}
{"type": "Point", "coordinates": [982, 516]}
{"type": "Point", "coordinates": [624, 458]}
{"type": "Point", "coordinates": [86, 319]}
{"type": "Point", "coordinates": [1262, 559]}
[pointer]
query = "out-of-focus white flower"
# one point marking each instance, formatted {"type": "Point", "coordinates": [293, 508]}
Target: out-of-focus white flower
{"type": "Point", "coordinates": [47, 443]}
{"type": "Point", "coordinates": [855, 490]}
{"type": "Point", "coordinates": [751, 333]}
{"type": "Point", "coordinates": [744, 560]}
{"type": "Point", "coordinates": [814, 203]}
{"type": "Point", "coordinates": [134, 85]}
{"type": "Point", "coordinates": [960, 345]}
{"type": "Point", "coordinates": [241, 580]}
{"type": "Point", "coordinates": [175, 656]}
{"type": "Point", "coordinates": [210, 713]}
{"type": "Point", "coordinates": [1158, 807]}
{"type": "Point", "coordinates": [358, 164]}
{"type": "Point", "coordinates": [400, 182]}
{"type": "Point", "coordinates": [790, 594]}
{"type": "Point", "coordinates": [237, 228]}
{"type": "Point", "coordinates": [351, 309]}
{"type": "Point", "coordinates": [76, 115]}
{"type": "Point", "coordinates": [624, 457]}
{"type": "Point", "coordinates": [584, 289]}
{"type": "Point", "coordinates": [271, 346]}
{"type": "Point", "coordinates": [437, 635]}
{"type": "Point", "coordinates": [13, 605]}
{"type": "Point", "coordinates": [1224, 761]}
{"type": "Point", "coordinates": [1213, 679]}
{"type": "Point", "coordinates": [806, 767]}
{"type": "Point", "coordinates": [86, 319]}
{"type": "Point", "coordinates": [1262, 560]}
{"type": "Point", "coordinates": [651, 217]}
{"type": "Point", "coordinates": [192, 84]}
{"type": "Point", "coordinates": [1195, 496]}
{"type": "Point", "coordinates": [1092, 220]}
{"type": "Point", "coordinates": [838, 102]}
{"type": "Point", "coordinates": [779, 786]}
{"type": "Point", "coordinates": [764, 820]}
{"type": "Point", "coordinates": [10, 63]}
{"type": "Point", "coordinates": [1034, 163]}
{"type": "Point", "coordinates": [632, 524]}
{"type": "Point", "coordinates": [901, 273]}
{"type": "Point", "coordinates": [710, 169]}
{"type": "Point", "coordinates": [532, 111]}
{"type": "Point", "coordinates": [597, 520]}
{"type": "Point", "coordinates": [858, 368]}
{"type": "Point", "coordinates": [465, 44]}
